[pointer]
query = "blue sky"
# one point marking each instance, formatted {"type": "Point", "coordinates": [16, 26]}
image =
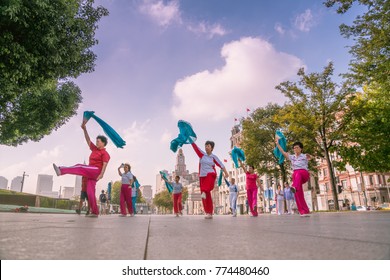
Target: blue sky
{"type": "Point", "coordinates": [202, 61]}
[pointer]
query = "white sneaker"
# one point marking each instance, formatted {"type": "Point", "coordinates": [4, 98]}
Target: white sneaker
{"type": "Point", "coordinates": [305, 215]}
{"type": "Point", "coordinates": [208, 216]}
{"type": "Point", "coordinates": [57, 170]}
{"type": "Point", "coordinates": [203, 195]}
{"type": "Point", "coordinates": [234, 215]}
{"type": "Point", "coordinates": [132, 215]}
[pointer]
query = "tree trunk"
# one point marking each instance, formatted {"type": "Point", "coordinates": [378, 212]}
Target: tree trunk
{"type": "Point", "coordinates": [332, 179]}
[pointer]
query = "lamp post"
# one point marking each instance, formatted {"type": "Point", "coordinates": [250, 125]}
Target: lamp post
{"type": "Point", "coordinates": [24, 175]}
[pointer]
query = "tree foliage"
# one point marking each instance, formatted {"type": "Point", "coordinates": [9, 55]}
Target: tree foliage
{"type": "Point", "coordinates": [43, 43]}
{"type": "Point", "coordinates": [366, 145]}
{"type": "Point", "coordinates": [371, 33]}
{"type": "Point", "coordinates": [258, 142]}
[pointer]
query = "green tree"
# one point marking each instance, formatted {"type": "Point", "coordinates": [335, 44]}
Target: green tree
{"type": "Point", "coordinates": [258, 142]}
{"type": "Point", "coordinates": [116, 192]}
{"type": "Point", "coordinates": [43, 43]}
{"type": "Point", "coordinates": [36, 113]}
{"type": "Point", "coordinates": [140, 197]}
{"type": "Point", "coordinates": [314, 110]}
{"type": "Point", "coordinates": [371, 33]}
{"type": "Point", "coordinates": [163, 200]}
{"type": "Point", "coordinates": [366, 145]}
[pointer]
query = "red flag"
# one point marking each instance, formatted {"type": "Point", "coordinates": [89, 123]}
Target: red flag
{"type": "Point", "coordinates": [225, 160]}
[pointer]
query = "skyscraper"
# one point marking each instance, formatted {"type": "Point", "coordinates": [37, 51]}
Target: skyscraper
{"type": "Point", "coordinates": [44, 184]}
{"type": "Point", "coordinates": [16, 184]}
{"type": "Point", "coordinates": [3, 183]}
{"type": "Point", "coordinates": [77, 185]}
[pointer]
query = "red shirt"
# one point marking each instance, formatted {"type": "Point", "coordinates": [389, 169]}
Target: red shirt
{"type": "Point", "coordinates": [97, 156]}
{"type": "Point", "coordinates": [251, 181]}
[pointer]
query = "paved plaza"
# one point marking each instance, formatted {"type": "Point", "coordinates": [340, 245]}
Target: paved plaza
{"type": "Point", "coordinates": [352, 235]}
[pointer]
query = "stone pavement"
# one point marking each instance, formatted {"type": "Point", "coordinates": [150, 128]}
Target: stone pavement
{"type": "Point", "coordinates": [352, 235]}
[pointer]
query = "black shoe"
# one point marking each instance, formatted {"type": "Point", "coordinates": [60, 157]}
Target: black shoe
{"type": "Point", "coordinates": [86, 214]}
{"type": "Point", "coordinates": [78, 211]}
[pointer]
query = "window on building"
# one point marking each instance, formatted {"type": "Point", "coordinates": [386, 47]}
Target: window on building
{"type": "Point", "coordinates": [371, 178]}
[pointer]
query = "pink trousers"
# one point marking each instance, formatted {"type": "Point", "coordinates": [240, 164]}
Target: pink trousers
{"type": "Point", "coordinates": [252, 200]}
{"type": "Point", "coordinates": [300, 176]}
{"type": "Point", "coordinates": [125, 199]}
{"type": "Point", "coordinates": [91, 173]}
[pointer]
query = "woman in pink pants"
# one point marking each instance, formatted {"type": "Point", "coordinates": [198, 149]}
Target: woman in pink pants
{"type": "Point", "coordinates": [208, 175]}
{"type": "Point", "coordinates": [252, 183]}
{"type": "Point", "coordinates": [300, 176]}
{"type": "Point", "coordinates": [94, 171]}
{"type": "Point", "coordinates": [125, 197]}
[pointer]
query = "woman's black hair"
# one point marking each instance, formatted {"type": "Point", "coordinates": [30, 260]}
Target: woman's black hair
{"type": "Point", "coordinates": [103, 139]}
{"type": "Point", "coordinates": [299, 144]}
{"type": "Point", "coordinates": [211, 143]}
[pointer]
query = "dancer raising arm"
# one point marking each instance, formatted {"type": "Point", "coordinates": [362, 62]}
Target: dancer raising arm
{"type": "Point", "coordinates": [208, 175]}
{"type": "Point", "coordinates": [300, 166]}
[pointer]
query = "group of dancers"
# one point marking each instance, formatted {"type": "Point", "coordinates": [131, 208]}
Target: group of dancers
{"type": "Point", "coordinates": [99, 159]}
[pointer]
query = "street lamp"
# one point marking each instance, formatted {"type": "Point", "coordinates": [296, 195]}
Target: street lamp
{"type": "Point", "coordinates": [24, 175]}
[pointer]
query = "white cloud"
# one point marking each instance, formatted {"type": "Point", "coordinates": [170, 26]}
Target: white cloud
{"type": "Point", "coordinates": [166, 137]}
{"type": "Point", "coordinates": [305, 21]}
{"type": "Point", "coordinates": [136, 133]}
{"type": "Point", "coordinates": [53, 153]}
{"type": "Point", "coordinates": [279, 28]}
{"type": "Point", "coordinates": [169, 13]}
{"type": "Point", "coordinates": [162, 14]}
{"type": "Point", "coordinates": [207, 29]}
{"type": "Point", "coordinates": [252, 70]}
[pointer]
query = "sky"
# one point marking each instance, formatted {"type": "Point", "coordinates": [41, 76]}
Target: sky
{"type": "Point", "coordinates": [203, 61]}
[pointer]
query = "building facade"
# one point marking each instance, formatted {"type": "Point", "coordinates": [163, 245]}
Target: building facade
{"type": "Point", "coordinates": [67, 192]}
{"type": "Point", "coordinates": [16, 184]}
{"type": "Point", "coordinates": [147, 192]}
{"type": "Point", "coordinates": [3, 183]}
{"type": "Point", "coordinates": [359, 188]}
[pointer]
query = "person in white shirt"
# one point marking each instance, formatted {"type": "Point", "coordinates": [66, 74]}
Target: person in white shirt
{"type": "Point", "coordinates": [208, 175]}
{"type": "Point", "coordinates": [177, 196]}
{"type": "Point", "coordinates": [125, 196]}
{"type": "Point", "coordinates": [300, 163]}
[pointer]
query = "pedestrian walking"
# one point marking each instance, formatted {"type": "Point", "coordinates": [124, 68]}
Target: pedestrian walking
{"type": "Point", "coordinates": [289, 197]}
{"type": "Point", "coordinates": [280, 200]}
{"type": "Point", "coordinates": [233, 194]}
{"type": "Point", "coordinates": [103, 203]}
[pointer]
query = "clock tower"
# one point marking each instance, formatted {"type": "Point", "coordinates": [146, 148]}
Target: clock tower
{"type": "Point", "coordinates": [180, 167]}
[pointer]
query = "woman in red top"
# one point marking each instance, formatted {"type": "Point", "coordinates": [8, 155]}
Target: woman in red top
{"type": "Point", "coordinates": [94, 171]}
{"type": "Point", "coordinates": [252, 181]}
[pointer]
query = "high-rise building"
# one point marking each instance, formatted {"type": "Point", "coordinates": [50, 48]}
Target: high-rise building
{"type": "Point", "coordinates": [44, 184]}
{"type": "Point", "coordinates": [147, 192]}
{"type": "Point", "coordinates": [3, 183]}
{"type": "Point", "coordinates": [16, 184]}
{"type": "Point", "coordinates": [67, 192]}
{"type": "Point", "coordinates": [77, 185]}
